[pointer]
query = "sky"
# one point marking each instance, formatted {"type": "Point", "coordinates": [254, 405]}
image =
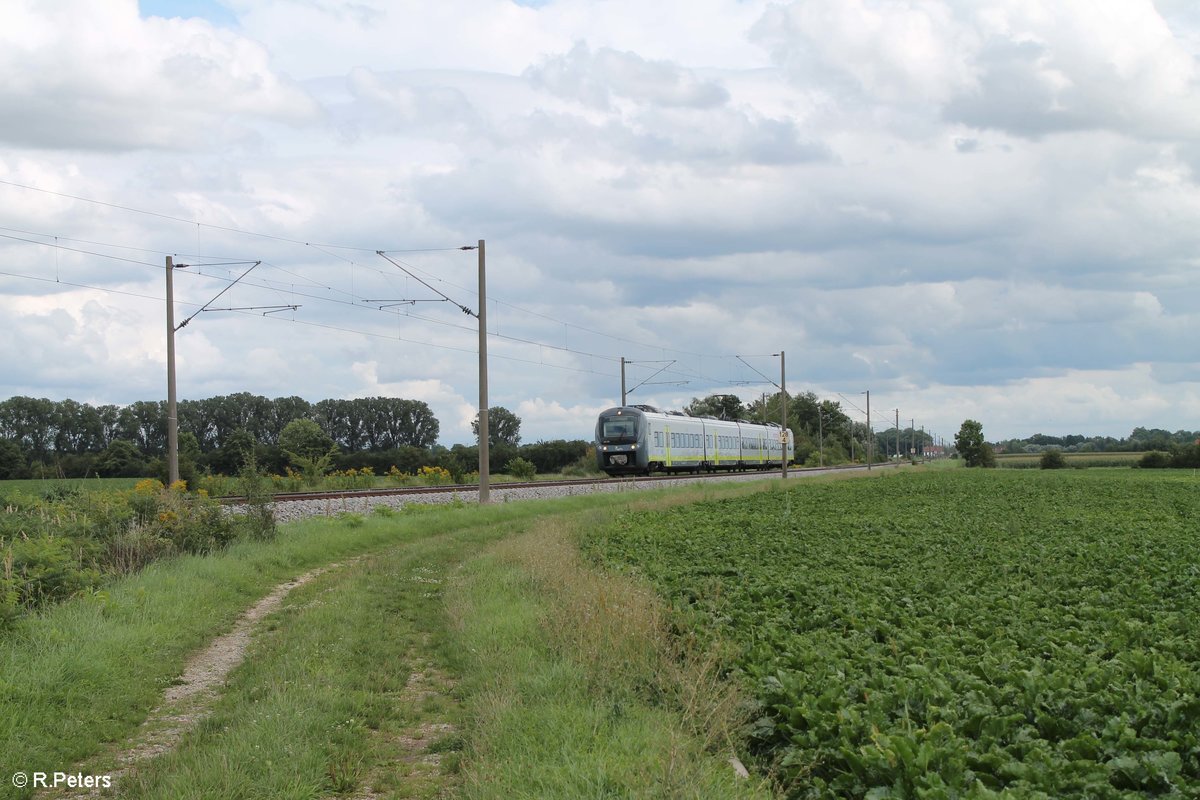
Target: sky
{"type": "Point", "coordinates": [986, 209]}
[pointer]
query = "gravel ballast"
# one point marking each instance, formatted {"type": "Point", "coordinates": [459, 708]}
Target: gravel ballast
{"type": "Point", "coordinates": [294, 510]}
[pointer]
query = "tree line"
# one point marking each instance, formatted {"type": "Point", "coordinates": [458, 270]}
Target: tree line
{"type": "Point", "coordinates": [66, 438]}
{"type": "Point", "coordinates": [1139, 440]}
{"type": "Point", "coordinates": [822, 431]}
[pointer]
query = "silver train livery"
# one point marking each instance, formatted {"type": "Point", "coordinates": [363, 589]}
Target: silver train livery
{"type": "Point", "coordinates": [642, 439]}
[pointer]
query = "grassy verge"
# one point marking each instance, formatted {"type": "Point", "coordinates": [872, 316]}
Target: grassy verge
{"type": "Point", "coordinates": [577, 688]}
{"type": "Point", "coordinates": [331, 700]}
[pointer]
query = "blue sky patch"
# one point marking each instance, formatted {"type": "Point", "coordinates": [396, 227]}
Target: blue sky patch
{"type": "Point", "coordinates": [214, 12]}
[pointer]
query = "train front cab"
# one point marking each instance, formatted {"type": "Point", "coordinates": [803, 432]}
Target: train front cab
{"type": "Point", "coordinates": [621, 442]}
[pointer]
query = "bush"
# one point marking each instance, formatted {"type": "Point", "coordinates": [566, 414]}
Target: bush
{"type": "Point", "coordinates": [1186, 457]}
{"type": "Point", "coordinates": [521, 468]}
{"type": "Point", "coordinates": [44, 569]}
{"type": "Point", "coordinates": [1155, 459]}
{"type": "Point", "coordinates": [555, 455]}
{"type": "Point", "coordinates": [136, 548]}
{"type": "Point", "coordinates": [121, 459]}
{"type": "Point", "coordinates": [194, 523]}
{"type": "Point", "coordinates": [583, 466]}
{"type": "Point", "coordinates": [258, 522]}
{"type": "Point", "coordinates": [69, 542]}
{"type": "Point", "coordinates": [434, 476]}
{"type": "Point", "coordinates": [1053, 459]}
{"type": "Point", "coordinates": [351, 479]}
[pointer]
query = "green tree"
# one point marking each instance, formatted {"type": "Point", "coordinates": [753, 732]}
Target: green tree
{"type": "Point", "coordinates": [971, 446]}
{"type": "Point", "coordinates": [284, 410]}
{"type": "Point", "coordinates": [239, 450]}
{"type": "Point", "coordinates": [145, 424]}
{"type": "Point", "coordinates": [121, 459]}
{"type": "Point", "coordinates": [394, 422]}
{"type": "Point", "coordinates": [308, 447]}
{"type": "Point", "coordinates": [305, 438]}
{"type": "Point", "coordinates": [721, 406]}
{"type": "Point", "coordinates": [345, 421]}
{"type": "Point", "coordinates": [30, 421]}
{"type": "Point", "coordinates": [12, 460]}
{"type": "Point", "coordinates": [504, 427]}
{"type": "Point", "coordinates": [78, 428]}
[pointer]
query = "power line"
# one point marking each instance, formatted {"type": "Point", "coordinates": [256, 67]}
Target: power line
{"type": "Point", "coordinates": [655, 346]}
{"type": "Point", "coordinates": [226, 228]}
{"type": "Point", "coordinates": [306, 323]}
{"type": "Point", "coordinates": [323, 247]}
{"type": "Point", "coordinates": [349, 304]}
{"type": "Point", "coordinates": [76, 250]}
{"type": "Point", "coordinates": [275, 286]}
{"type": "Point", "coordinates": [441, 294]}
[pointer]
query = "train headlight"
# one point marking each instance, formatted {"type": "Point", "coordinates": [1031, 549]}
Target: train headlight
{"type": "Point", "coordinates": [633, 447]}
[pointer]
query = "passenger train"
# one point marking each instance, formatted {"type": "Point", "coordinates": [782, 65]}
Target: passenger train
{"type": "Point", "coordinates": [642, 439]}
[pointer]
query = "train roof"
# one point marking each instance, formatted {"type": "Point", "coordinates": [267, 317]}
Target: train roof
{"type": "Point", "coordinates": [647, 409]}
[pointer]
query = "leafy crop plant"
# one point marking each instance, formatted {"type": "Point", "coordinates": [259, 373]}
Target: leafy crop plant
{"type": "Point", "coordinates": [956, 634]}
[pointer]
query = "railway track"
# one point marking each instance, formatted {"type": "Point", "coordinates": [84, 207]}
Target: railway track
{"type": "Point", "coordinates": [471, 488]}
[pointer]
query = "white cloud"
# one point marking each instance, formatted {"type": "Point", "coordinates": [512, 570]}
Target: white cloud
{"type": "Point", "coordinates": [544, 420]}
{"type": "Point", "coordinates": [892, 52]}
{"type": "Point", "coordinates": [962, 206]}
{"type": "Point", "coordinates": [1076, 65]}
{"type": "Point", "coordinates": [1088, 402]}
{"type": "Point", "coordinates": [98, 76]}
{"type": "Point", "coordinates": [606, 76]}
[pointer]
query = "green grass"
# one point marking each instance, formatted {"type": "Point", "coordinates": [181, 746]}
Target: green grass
{"type": "Point", "coordinates": [87, 671]}
{"type": "Point", "coordinates": [576, 688]}
{"type": "Point", "coordinates": [320, 699]}
{"type": "Point", "coordinates": [320, 707]}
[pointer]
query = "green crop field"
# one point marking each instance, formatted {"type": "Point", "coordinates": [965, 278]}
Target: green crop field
{"type": "Point", "coordinates": [52, 486]}
{"type": "Point", "coordinates": [959, 633]}
{"type": "Point", "coordinates": [1075, 460]}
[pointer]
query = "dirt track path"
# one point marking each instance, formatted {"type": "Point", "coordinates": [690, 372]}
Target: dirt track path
{"type": "Point", "coordinates": [190, 697]}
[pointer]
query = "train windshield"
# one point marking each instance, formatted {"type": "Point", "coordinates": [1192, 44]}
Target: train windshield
{"type": "Point", "coordinates": [618, 429]}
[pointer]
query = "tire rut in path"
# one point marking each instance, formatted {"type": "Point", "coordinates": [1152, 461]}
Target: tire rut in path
{"type": "Point", "coordinates": [189, 700]}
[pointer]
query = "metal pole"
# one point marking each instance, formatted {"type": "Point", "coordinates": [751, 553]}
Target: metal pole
{"type": "Point", "coordinates": [172, 416]}
{"type": "Point", "coordinates": [484, 454]}
{"type": "Point", "coordinates": [898, 456]}
{"type": "Point", "coordinates": [783, 387]}
{"type": "Point", "coordinates": [870, 433]}
{"type": "Point", "coordinates": [622, 381]}
{"type": "Point", "coordinates": [820, 435]}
